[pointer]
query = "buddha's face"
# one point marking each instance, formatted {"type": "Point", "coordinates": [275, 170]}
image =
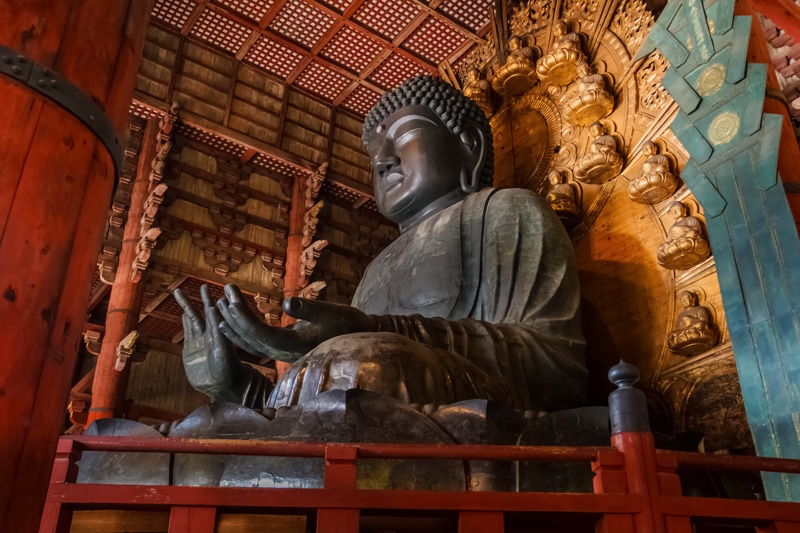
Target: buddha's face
{"type": "Point", "coordinates": [650, 149]}
{"type": "Point", "coordinates": [677, 211]}
{"type": "Point", "coordinates": [555, 178]}
{"type": "Point", "coordinates": [514, 44]}
{"type": "Point", "coordinates": [596, 129]}
{"type": "Point", "coordinates": [559, 29]}
{"type": "Point", "coordinates": [687, 299]}
{"type": "Point", "coordinates": [473, 75]}
{"type": "Point", "coordinates": [416, 160]}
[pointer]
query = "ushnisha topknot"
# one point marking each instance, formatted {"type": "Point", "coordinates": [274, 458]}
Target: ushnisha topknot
{"type": "Point", "coordinates": [446, 101]}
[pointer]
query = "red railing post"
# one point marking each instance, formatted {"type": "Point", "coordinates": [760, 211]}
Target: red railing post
{"type": "Point", "coordinates": [57, 517]}
{"type": "Point", "coordinates": [192, 519]}
{"type": "Point", "coordinates": [340, 474]}
{"type": "Point", "coordinates": [630, 434]}
{"type": "Point", "coordinates": [609, 477]}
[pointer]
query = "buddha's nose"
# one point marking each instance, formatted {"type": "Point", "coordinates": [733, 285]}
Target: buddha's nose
{"type": "Point", "coordinates": [385, 165]}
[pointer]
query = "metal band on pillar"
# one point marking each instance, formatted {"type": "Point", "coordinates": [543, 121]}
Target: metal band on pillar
{"type": "Point", "coordinates": [67, 95]}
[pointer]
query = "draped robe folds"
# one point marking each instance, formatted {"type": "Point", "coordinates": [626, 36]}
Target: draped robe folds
{"type": "Point", "coordinates": [488, 287]}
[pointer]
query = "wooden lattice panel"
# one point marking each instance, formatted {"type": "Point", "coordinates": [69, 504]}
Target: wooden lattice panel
{"type": "Point", "coordinates": [395, 70]}
{"type": "Point", "coordinates": [191, 288]}
{"type": "Point", "coordinates": [352, 49]}
{"type": "Point", "coordinates": [301, 23]}
{"type": "Point", "coordinates": [472, 13]}
{"type": "Point", "coordinates": [339, 5]}
{"type": "Point", "coordinates": [173, 12]}
{"type": "Point", "coordinates": [220, 31]}
{"type": "Point", "coordinates": [252, 9]}
{"type": "Point", "coordinates": [141, 111]}
{"type": "Point", "coordinates": [434, 40]}
{"type": "Point", "coordinates": [387, 17]}
{"type": "Point", "coordinates": [156, 328]}
{"type": "Point", "coordinates": [361, 100]}
{"type": "Point", "coordinates": [211, 140]}
{"type": "Point", "coordinates": [322, 81]}
{"type": "Point", "coordinates": [273, 57]}
{"type": "Point", "coordinates": [275, 166]}
{"type": "Point", "coordinates": [336, 191]}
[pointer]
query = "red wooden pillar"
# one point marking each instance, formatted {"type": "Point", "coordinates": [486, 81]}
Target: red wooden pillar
{"type": "Point", "coordinates": [757, 52]}
{"type": "Point", "coordinates": [294, 248]}
{"type": "Point", "coordinates": [56, 188]}
{"type": "Point", "coordinates": [109, 385]}
{"type": "Point", "coordinates": [340, 473]}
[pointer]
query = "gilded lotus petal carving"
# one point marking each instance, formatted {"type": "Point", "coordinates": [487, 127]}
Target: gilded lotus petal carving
{"type": "Point", "coordinates": [655, 182]}
{"type": "Point", "coordinates": [562, 64]}
{"type": "Point", "coordinates": [602, 163]}
{"type": "Point", "coordinates": [687, 244]}
{"type": "Point", "coordinates": [518, 74]}
{"type": "Point", "coordinates": [590, 103]}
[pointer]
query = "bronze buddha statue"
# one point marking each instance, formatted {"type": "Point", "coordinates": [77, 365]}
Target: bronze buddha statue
{"type": "Point", "coordinates": [477, 299]}
{"type": "Point", "coordinates": [693, 333]}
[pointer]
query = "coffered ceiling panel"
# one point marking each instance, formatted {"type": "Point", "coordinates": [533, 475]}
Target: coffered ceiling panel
{"type": "Point", "coordinates": [344, 52]}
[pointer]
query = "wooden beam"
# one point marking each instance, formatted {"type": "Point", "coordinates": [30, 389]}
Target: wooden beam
{"type": "Point", "coordinates": [785, 14]}
{"type": "Point", "coordinates": [177, 67]}
{"type": "Point", "coordinates": [282, 117]}
{"type": "Point", "coordinates": [209, 276]}
{"type": "Point", "coordinates": [97, 296]}
{"type": "Point", "coordinates": [226, 114]}
{"type": "Point", "coordinates": [84, 383]}
{"type": "Point", "coordinates": [226, 133]}
{"type": "Point", "coordinates": [193, 16]}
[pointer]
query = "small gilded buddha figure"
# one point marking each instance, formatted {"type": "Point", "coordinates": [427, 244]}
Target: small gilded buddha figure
{"type": "Point", "coordinates": [562, 198]}
{"type": "Point", "coordinates": [687, 245]}
{"type": "Point", "coordinates": [561, 65]}
{"type": "Point", "coordinates": [655, 182]}
{"type": "Point", "coordinates": [590, 101]}
{"type": "Point", "coordinates": [602, 163]}
{"type": "Point", "coordinates": [477, 90]}
{"type": "Point", "coordinates": [693, 334]}
{"type": "Point", "coordinates": [518, 74]}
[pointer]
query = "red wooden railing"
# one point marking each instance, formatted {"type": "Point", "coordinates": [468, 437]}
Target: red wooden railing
{"type": "Point", "coordinates": [636, 488]}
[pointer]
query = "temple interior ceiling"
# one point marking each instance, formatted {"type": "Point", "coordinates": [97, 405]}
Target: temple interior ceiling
{"type": "Point", "coordinates": [275, 90]}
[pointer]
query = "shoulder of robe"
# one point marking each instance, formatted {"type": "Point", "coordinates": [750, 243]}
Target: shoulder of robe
{"type": "Point", "coordinates": [515, 202]}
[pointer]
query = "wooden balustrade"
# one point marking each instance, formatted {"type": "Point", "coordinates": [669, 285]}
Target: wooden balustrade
{"type": "Point", "coordinates": [635, 487]}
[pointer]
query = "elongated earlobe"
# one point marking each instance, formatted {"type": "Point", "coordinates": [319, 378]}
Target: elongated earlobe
{"type": "Point", "coordinates": [474, 142]}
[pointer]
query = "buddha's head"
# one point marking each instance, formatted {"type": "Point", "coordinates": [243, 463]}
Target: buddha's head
{"type": "Point", "coordinates": [596, 129]}
{"type": "Point", "coordinates": [555, 178]}
{"type": "Point", "coordinates": [649, 149]}
{"type": "Point", "coordinates": [426, 141]}
{"type": "Point", "coordinates": [473, 75]}
{"type": "Point", "coordinates": [560, 29]}
{"type": "Point", "coordinates": [677, 210]}
{"type": "Point", "coordinates": [688, 299]}
{"type": "Point", "coordinates": [514, 43]}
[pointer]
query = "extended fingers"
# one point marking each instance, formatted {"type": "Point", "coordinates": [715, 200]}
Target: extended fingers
{"type": "Point", "coordinates": [308, 310]}
{"type": "Point", "coordinates": [195, 324]}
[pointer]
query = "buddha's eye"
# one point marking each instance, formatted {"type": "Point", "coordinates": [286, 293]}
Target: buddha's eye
{"type": "Point", "coordinates": [407, 136]}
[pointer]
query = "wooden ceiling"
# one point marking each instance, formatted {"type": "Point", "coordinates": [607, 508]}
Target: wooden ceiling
{"type": "Point", "coordinates": [346, 52]}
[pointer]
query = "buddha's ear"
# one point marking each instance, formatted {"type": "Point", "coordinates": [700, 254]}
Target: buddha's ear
{"type": "Point", "coordinates": [473, 140]}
